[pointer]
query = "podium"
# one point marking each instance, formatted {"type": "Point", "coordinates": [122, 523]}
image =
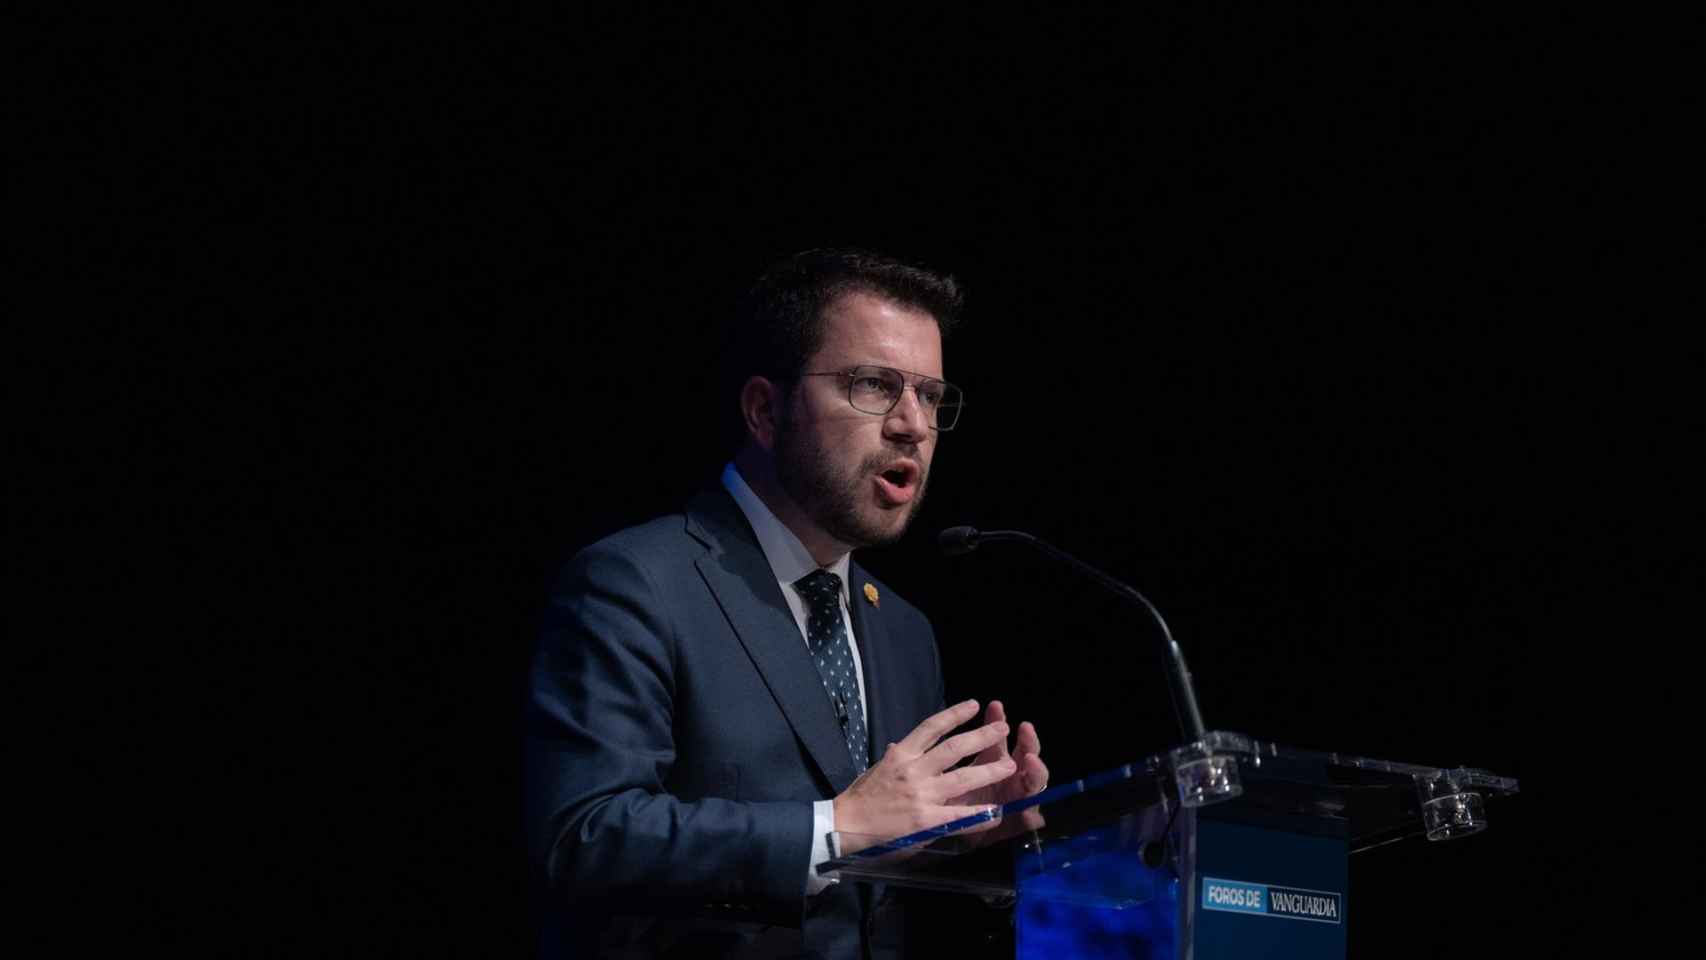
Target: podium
{"type": "Point", "coordinates": [1225, 847]}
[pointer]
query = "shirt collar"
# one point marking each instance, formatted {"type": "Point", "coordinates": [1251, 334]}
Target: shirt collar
{"type": "Point", "coordinates": [789, 559]}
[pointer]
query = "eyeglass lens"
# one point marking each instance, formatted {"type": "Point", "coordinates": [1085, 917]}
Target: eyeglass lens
{"type": "Point", "coordinates": [877, 390]}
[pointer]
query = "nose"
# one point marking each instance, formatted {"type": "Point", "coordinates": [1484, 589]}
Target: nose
{"type": "Point", "coordinates": [907, 420]}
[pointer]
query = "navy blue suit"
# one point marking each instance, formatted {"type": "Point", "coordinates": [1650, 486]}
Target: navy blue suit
{"type": "Point", "coordinates": [677, 734]}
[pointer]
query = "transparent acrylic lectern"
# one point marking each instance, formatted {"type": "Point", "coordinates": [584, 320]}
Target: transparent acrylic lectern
{"type": "Point", "coordinates": [1226, 847]}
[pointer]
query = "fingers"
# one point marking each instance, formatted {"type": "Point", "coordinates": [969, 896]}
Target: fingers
{"type": "Point", "coordinates": [1027, 752]}
{"type": "Point", "coordinates": [956, 748]}
{"type": "Point", "coordinates": [1033, 774]}
{"type": "Point", "coordinates": [976, 776]}
{"type": "Point", "coordinates": [995, 713]}
{"type": "Point", "coordinates": [936, 726]}
{"type": "Point", "coordinates": [1027, 741]}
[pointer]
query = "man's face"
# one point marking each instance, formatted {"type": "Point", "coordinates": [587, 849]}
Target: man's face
{"type": "Point", "coordinates": [859, 476]}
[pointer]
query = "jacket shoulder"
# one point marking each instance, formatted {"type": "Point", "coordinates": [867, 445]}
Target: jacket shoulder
{"type": "Point", "coordinates": [661, 537]}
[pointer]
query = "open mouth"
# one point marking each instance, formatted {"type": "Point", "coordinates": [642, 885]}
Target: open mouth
{"type": "Point", "coordinates": [899, 482]}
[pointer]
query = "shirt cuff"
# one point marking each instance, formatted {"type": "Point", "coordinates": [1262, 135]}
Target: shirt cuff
{"type": "Point", "coordinates": [823, 824]}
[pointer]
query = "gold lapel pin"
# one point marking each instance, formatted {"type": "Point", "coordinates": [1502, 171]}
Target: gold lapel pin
{"type": "Point", "coordinates": [871, 595]}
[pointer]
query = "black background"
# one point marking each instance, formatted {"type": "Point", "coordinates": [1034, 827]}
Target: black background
{"type": "Point", "coordinates": [1348, 338]}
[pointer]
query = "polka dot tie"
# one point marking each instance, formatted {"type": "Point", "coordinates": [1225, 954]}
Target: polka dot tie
{"type": "Point", "coordinates": [826, 636]}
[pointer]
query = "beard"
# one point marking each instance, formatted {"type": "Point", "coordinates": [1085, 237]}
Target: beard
{"type": "Point", "coordinates": [838, 499]}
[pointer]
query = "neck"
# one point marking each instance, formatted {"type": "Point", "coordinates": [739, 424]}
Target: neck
{"type": "Point", "coordinates": [758, 469]}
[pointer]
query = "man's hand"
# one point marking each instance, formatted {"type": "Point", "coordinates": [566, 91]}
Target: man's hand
{"type": "Point", "coordinates": [912, 787]}
{"type": "Point", "coordinates": [1030, 774]}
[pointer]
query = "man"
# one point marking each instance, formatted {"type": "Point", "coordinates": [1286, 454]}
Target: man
{"type": "Point", "coordinates": [717, 690]}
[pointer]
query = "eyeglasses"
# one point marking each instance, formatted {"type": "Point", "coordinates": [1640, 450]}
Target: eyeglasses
{"type": "Point", "coordinates": [876, 390]}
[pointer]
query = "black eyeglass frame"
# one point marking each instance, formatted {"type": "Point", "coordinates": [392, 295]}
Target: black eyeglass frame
{"type": "Point", "coordinates": [852, 376]}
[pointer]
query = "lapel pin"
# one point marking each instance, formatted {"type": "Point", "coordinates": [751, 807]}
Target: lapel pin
{"type": "Point", "coordinates": [871, 595]}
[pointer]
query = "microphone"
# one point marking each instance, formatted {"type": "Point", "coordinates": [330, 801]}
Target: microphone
{"type": "Point", "coordinates": [955, 541]}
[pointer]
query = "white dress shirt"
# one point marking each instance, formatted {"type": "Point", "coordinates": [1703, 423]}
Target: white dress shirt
{"type": "Point", "coordinates": [789, 561]}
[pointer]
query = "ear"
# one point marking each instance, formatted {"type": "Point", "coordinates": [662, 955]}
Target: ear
{"type": "Point", "coordinates": [760, 400]}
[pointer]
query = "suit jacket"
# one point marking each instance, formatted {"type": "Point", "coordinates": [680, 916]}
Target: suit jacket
{"type": "Point", "coordinates": [676, 736]}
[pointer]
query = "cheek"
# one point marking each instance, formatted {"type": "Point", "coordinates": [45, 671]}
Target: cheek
{"type": "Point", "coordinates": [853, 435]}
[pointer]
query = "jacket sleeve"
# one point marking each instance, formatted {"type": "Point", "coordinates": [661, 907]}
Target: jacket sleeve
{"type": "Point", "coordinates": [598, 750]}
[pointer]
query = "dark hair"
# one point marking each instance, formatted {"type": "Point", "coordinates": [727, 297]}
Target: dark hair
{"type": "Point", "coordinates": [780, 324]}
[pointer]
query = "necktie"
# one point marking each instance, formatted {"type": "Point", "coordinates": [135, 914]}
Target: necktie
{"type": "Point", "coordinates": [826, 636]}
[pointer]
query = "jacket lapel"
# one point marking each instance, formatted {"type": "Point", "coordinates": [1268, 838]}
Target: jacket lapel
{"type": "Point", "coordinates": [870, 634]}
{"type": "Point", "coordinates": [745, 588]}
